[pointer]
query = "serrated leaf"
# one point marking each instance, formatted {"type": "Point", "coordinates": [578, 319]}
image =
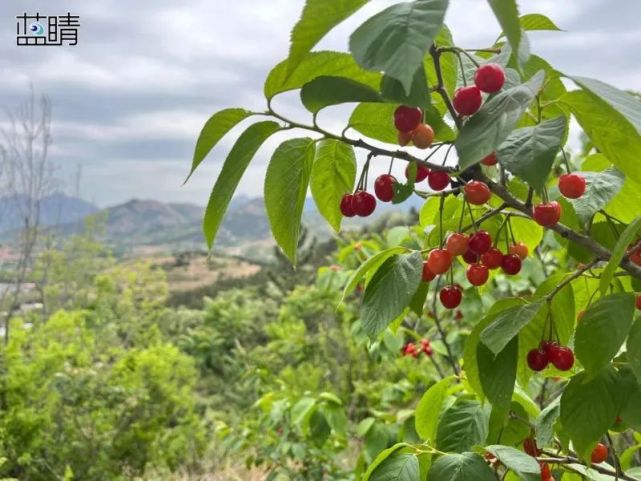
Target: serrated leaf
{"type": "Point", "coordinates": [524, 466]}
{"type": "Point", "coordinates": [390, 291]}
{"type": "Point", "coordinates": [529, 152]}
{"type": "Point", "coordinates": [233, 169]}
{"type": "Point", "coordinates": [214, 129]}
{"type": "Point", "coordinates": [507, 325]}
{"type": "Point", "coordinates": [317, 19]}
{"type": "Point", "coordinates": [602, 330]}
{"type": "Point", "coordinates": [461, 467]}
{"type": "Point", "coordinates": [537, 21]}
{"type": "Point", "coordinates": [428, 410]}
{"type": "Point", "coordinates": [497, 373]}
{"type": "Point", "coordinates": [326, 90]}
{"type": "Point", "coordinates": [397, 467]}
{"type": "Point", "coordinates": [491, 126]}
{"type": "Point", "coordinates": [382, 456]}
{"type": "Point", "coordinates": [286, 184]}
{"type": "Point", "coordinates": [333, 175]}
{"type": "Point", "coordinates": [544, 424]}
{"type": "Point", "coordinates": [633, 347]}
{"type": "Point", "coordinates": [601, 188]}
{"type": "Point", "coordinates": [507, 13]}
{"type": "Point", "coordinates": [619, 251]}
{"type": "Point", "coordinates": [395, 40]}
{"type": "Point", "coordinates": [462, 426]}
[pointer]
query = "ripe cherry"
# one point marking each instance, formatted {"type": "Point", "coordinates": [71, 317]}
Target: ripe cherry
{"type": "Point", "coordinates": [363, 203]}
{"type": "Point", "coordinates": [346, 206]}
{"type": "Point", "coordinates": [451, 296]}
{"type": "Point", "coordinates": [490, 160]}
{"type": "Point", "coordinates": [490, 78]}
{"type": "Point", "coordinates": [426, 348]}
{"type": "Point", "coordinates": [562, 357]}
{"type": "Point", "coordinates": [537, 359]}
{"type": "Point", "coordinates": [635, 257]}
{"type": "Point", "coordinates": [384, 187]}
{"type": "Point", "coordinates": [480, 242]}
{"type": "Point", "coordinates": [547, 214]}
{"type": "Point", "coordinates": [428, 275]}
{"type": "Point", "coordinates": [423, 136]}
{"type": "Point", "coordinates": [404, 138]}
{"type": "Point", "coordinates": [545, 472]}
{"type": "Point", "coordinates": [470, 256]}
{"type": "Point", "coordinates": [421, 172]}
{"type": "Point", "coordinates": [457, 243]}
{"type": "Point", "coordinates": [599, 453]}
{"type": "Point", "coordinates": [410, 350]}
{"type": "Point", "coordinates": [492, 258]}
{"type": "Point", "coordinates": [439, 260]}
{"type": "Point", "coordinates": [477, 274]}
{"type": "Point", "coordinates": [438, 180]}
{"type": "Point", "coordinates": [572, 186]}
{"type": "Point", "coordinates": [638, 302]}
{"type": "Point", "coordinates": [467, 100]}
{"type": "Point", "coordinates": [530, 447]}
{"type": "Point", "coordinates": [519, 249]}
{"type": "Point", "coordinates": [511, 264]}
{"type": "Point", "coordinates": [407, 118]}
{"type": "Point", "coordinates": [477, 193]}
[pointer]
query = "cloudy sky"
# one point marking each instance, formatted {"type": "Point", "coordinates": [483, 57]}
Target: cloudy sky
{"type": "Point", "coordinates": [130, 99]}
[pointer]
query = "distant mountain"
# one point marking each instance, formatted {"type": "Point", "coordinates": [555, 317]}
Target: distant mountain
{"type": "Point", "coordinates": [54, 209]}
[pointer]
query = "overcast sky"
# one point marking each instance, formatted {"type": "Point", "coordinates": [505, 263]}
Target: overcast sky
{"type": "Point", "coordinates": [130, 99]}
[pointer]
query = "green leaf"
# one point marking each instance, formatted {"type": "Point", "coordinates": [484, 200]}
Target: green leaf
{"type": "Point", "coordinates": [302, 411]}
{"type": "Point", "coordinates": [498, 373]}
{"type": "Point", "coordinates": [526, 231]}
{"type": "Point", "coordinates": [428, 410]}
{"type": "Point", "coordinates": [392, 90]}
{"type": "Point", "coordinates": [319, 428]}
{"type": "Point", "coordinates": [215, 128]}
{"type": "Point", "coordinates": [325, 91]}
{"type": "Point", "coordinates": [333, 175]}
{"type": "Point", "coordinates": [619, 251]}
{"type": "Point", "coordinates": [233, 169]}
{"type": "Point", "coordinates": [382, 456]}
{"type": "Point", "coordinates": [395, 40]}
{"type": "Point", "coordinates": [390, 291]}
{"type": "Point", "coordinates": [398, 467]}
{"type": "Point", "coordinates": [633, 347]}
{"type": "Point", "coordinates": [544, 424]}
{"type": "Point", "coordinates": [601, 188]}
{"type": "Point", "coordinates": [460, 467]}
{"type": "Point", "coordinates": [507, 325]}
{"type": "Point", "coordinates": [529, 152]}
{"type": "Point", "coordinates": [375, 121]}
{"type": "Point", "coordinates": [588, 408]}
{"type": "Point", "coordinates": [537, 21]}
{"type": "Point", "coordinates": [608, 129]}
{"type": "Point", "coordinates": [372, 263]}
{"type": "Point", "coordinates": [601, 332]}
{"type": "Point", "coordinates": [462, 426]}
{"type": "Point", "coordinates": [507, 13]}
{"type": "Point", "coordinates": [286, 184]}
{"type": "Point", "coordinates": [523, 465]}
{"type": "Point", "coordinates": [420, 296]}
{"type": "Point", "coordinates": [318, 18]}
{"type": "Point", "coordinates": [491, 126]}
{"type": "Point", "coordinates": [316, 64]}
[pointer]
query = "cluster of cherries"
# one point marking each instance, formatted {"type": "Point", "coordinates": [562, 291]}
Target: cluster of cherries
{"type": "Point", "coordinates": [562, 357]}
{"type": "Point", "coordinates": [480, 255]}
{"type": "Point", "coordinates": [413, 350]}
{"type": "Point", "coordinates": [599, 454]}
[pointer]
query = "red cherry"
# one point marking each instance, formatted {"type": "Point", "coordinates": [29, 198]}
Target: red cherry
{"type": "Point", "coordinates": [490, 160]}
{"type": "Point", "coordinates": [407, 118]}
{"type": "Point", "coordinates": [363, 203]}
{"type": "Point", "coordinates": [470, 257]}
{"type": "Point", "coordinates": [599, 453]}
{"type": "Point", "coordinates": [480, 242]}
{"type": "Point", "coordinates": [547, 346]}
{"type": "Point", "coordinates": [410, 350]}
{"type": "Point", "coordinates": [423, 136]}
{"type": "Point", "coordinates": [404, 138]}
{"type": "Point", "coordinates": [467, 100]}
{"type": "Point", "coordinates": [638, 303]}
{"type": "Point", "coordinates": [635, 257]}
{"type": "Point", "coordinates": [438, 180]}
{"type": "Point", "coordinates": [561, 357]}
{"type": "Point", "coordinates": [530, 447]}
{"type": "Point", "coordinates": [477, 274]}
{"type": "Point", "coordinates": [490, 78]}
{"type": "Point", "coordinates": [519, 249]}
{"type": "Point", "coordinates": [439, 260]}
{"type": "Point", "coordinates": [477, 193]}
{"type": "Point", "coordinates": [456, 243]}
{"type": "Point", "coordinates": [548, 214]}
{"type": "Point", "coordinates": [545, 472]}
{"type": "Point", "coordinates": [537, 359]}
{"type": "Point", "coordinates": [511, 264]}
{"type": "Point", "coordinates": [492, 258]}
{"type": "Point", "coordinates": [428, 275]}
{"type": "Point", "coordinates": [572, 186]}
{"type": "Point", "coordinates": [346, 206]}
{"type": "Point", "coordinates": [421, 172]}
{"type": "Point", "coordinates": [451, 296]}
{"type": "Point", "coordinates": [384, 187]}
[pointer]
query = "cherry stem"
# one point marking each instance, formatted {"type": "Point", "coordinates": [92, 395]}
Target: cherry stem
{"type": "Point", "coordinates": [391, 164]}
{"type": "Point", "coordinates": [474, 223]}
{"type": "Point", "coordinates": [509, 226]}
{"type": "Point", "coordinates": [440, 218]}
{"type": "Point", "coordinates": [566, 161]}
{"type": "Point", "coordinates": [450, 356]}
